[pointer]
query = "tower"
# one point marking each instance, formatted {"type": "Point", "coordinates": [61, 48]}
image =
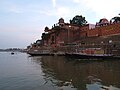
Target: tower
{"type": "Point", "coordinates": [61, 22]}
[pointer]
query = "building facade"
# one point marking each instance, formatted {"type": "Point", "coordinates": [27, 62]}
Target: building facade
{"type": "Point", "coordinates": [104, 37]}
{"type": "Point", "coordinates": [65, 33]}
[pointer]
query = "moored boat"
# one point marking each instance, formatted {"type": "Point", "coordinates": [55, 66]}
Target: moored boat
{"type": "Point", "coordinates": [92, 56]}
{"type": "Point", "coordinates": [39, 52]}
{"type": "Point", "coordinates": [12, 53]}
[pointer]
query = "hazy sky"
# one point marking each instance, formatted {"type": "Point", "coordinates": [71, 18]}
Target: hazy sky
{"type": "Point", "coordinates": [23, 21]}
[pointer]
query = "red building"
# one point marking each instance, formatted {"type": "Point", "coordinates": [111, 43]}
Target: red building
{"type": "Point", "coordinates": [64, 33]}
{"type": "Point", "coordinates": [104, 37]}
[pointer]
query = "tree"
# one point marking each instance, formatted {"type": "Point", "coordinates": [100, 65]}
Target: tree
{"type": "Point", "coordinates": [79, 20]}
{"type": "Point", "coordinates": [115, 19]}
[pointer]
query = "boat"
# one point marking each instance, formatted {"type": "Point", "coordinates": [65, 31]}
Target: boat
{"type": "Point", "coordinates": [98, 86]}
{"type": "Point", "coordinates": [39, 53]}
{"type": "Point", "coordinates": [92, 56]}
{"type": "Point", "coordinates": [12, 53]}
{"type": "Point", "coordinates": [44, 53]}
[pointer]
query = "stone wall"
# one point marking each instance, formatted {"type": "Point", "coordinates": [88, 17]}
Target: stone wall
{"type": "Point", "coordinates": [105, 30]}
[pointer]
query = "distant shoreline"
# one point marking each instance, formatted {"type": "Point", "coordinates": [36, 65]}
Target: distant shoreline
{"type": "Point", "coordinates": [12, 50]}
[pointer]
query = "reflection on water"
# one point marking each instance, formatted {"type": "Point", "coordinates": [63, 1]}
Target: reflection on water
{"type": "Point", "coordinates": [71, 74]}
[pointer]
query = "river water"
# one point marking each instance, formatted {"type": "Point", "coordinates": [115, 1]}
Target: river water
{"type": "Point", "coordinates": [22, 72]}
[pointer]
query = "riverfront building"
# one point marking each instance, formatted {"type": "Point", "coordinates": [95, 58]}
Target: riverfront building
{"type": "Point", "coordinates": [104, 35]}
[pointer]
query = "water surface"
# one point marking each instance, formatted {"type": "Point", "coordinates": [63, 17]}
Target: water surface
{"type": "Point", "coordinates": [22, 72]}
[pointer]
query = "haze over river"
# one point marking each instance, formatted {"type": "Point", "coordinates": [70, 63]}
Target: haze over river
{"type": "Point", "coordinates": [23, 72]}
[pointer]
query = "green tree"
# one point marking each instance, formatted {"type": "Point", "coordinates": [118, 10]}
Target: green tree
{"type": "Point", "coordinates": [79, 20]}
{"type": "Point", "coordinates": [115, 19]}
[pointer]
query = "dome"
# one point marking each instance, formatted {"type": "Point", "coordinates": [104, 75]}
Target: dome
{"type": "Point", "coordinates": [104, 20]}
{"type": "Point", "coordinates": [61, 20]}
